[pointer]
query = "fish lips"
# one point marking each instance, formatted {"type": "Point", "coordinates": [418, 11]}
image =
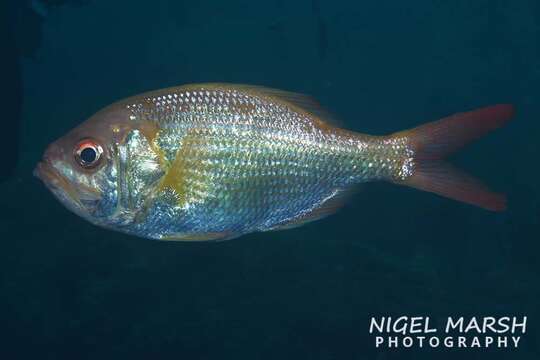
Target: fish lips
{"type": "Point", "coordinates": [76, 199]}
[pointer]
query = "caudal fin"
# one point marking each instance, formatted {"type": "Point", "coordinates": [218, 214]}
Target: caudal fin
{"type": "Point", "coordinates": [434, 141]}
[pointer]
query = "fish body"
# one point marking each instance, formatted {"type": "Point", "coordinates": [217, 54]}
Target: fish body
{"type": "Point", "coordinates": [216, 161]}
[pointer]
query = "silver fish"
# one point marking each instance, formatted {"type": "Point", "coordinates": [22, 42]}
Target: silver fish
{"type": "Point", "coordinates": [216, 161]}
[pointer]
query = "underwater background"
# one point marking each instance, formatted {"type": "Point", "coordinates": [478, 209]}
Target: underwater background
{"type": "Point", "coordinates": [70, 290]}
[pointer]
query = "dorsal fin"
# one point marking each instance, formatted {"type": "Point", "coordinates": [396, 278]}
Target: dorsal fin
{"type": "Point", "coordinates": [300, 102]}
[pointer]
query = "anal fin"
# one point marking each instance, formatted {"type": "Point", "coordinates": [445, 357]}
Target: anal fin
{"type": "Point", "coordinates": [209, 236]}
{"type": "Point", "coordinates": [326, 207]}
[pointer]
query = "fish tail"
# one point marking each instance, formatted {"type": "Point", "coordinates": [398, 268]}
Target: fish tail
{"type": "Point", "coordinates": [433, 142]}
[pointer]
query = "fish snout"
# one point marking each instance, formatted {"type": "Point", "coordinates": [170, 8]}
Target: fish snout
{"type": "Point", "coordinates": [48, 174]}
{"type": "Point", "coordinates": [38, 170]}
{"type": "Point", "coordinates": [53, 153]}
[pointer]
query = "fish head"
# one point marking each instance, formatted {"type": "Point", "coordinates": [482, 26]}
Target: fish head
{"type": "Point", "coordinates": [86, 169]}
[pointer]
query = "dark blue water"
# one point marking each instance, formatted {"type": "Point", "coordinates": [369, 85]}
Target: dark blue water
{"type": "Point", "coordinates": [70, 290]}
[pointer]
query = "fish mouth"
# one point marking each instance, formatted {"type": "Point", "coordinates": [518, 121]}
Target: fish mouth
{"type": "Point", "coordinates": [61, 187]}
{"type": "Point", "coordinates": [55, 181]}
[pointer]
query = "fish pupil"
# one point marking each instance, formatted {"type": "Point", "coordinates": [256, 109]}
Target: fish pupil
{"type": "Point", "coordinates": [88, 155]}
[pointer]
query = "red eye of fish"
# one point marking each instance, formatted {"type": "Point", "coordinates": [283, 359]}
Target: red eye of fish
{"type": "Point", "coordinates": [88, 153]}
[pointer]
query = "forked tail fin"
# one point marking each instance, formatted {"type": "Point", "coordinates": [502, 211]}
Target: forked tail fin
{"type": "Point", "coordinates": [434, 141]}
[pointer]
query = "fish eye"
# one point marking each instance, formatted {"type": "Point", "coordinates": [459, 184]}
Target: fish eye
{"type": "Point", "coordinates": [88, 153]}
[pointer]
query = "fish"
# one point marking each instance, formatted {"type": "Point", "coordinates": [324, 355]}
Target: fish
{"type": "Point", "coordinates": [217, 161]}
